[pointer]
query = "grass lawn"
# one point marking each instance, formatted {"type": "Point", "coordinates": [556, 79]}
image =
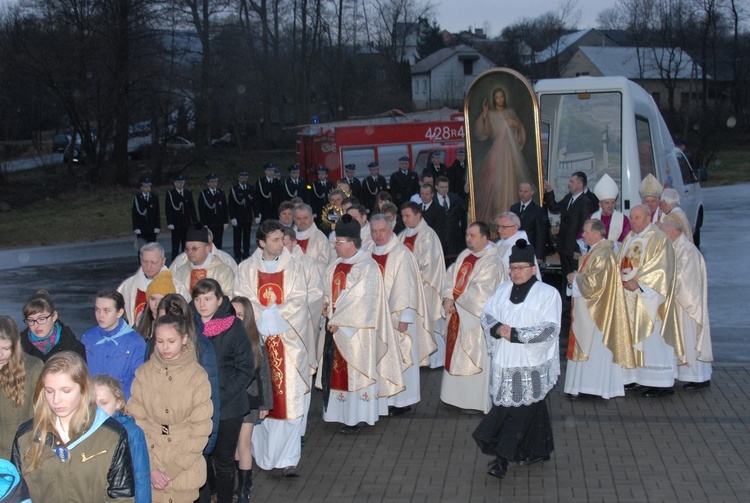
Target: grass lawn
{"type": "Point", "coordinates": [729, 167]}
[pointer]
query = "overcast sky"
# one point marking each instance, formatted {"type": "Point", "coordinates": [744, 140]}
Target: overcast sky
{"type": "Point", "coordinates": [457, 15]}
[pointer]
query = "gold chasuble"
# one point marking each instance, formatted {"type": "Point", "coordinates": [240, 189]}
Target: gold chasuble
{"type": "Point", "coordinates": [462, 279]}
{"type": "Point", "coordinates": [196, 275]}
{"type": "Point", "coordinates": [649, 259]}
{"type": "Point", "coordinates": [278, 294]}
{"type": "Point", "coordinates": [140, 305]}
{"type": "Point", "coordinates": [599, 282]}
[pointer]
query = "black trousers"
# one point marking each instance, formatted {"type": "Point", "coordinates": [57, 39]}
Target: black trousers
{"type": "Point", "coordinates": [241, 237]}
{"type": "Point", "coordinates": [178, 241]}
{"type": "Point", "coordinates": [223, 457]}
{"type": "Point", "coordinates": [218, 232]}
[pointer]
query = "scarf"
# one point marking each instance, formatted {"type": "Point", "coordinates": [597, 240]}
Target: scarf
{"type": "Point", "coordinates": [213, 328]}
{"type": "Point", "coordinates": [112, 336]}
{"type": "Point", "coordinates": [45, 344]}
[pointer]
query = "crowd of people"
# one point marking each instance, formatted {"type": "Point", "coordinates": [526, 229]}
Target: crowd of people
{"type": "Point", "coordinates": [197, 370]}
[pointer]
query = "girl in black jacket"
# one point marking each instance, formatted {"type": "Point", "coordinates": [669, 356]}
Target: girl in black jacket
{"type": "Point", "coordinates": [46, 334]}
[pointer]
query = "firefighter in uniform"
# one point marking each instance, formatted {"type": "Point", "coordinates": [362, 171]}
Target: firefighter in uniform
{"type": "Point", "coordinates": [267, 192]}
{"type": "Point", "coordinates": [371, 186]}
{"type": "Point", "coordinates": [404, 183]}
{"type": "Point", "coordinates": [319, 195]}
{"type": "Point", "coordinates": [146, 214]}
{"type": "Point", "coordinates": [180, 209]}
{"type": "Point", "coordinates": [294, 186]}
{"type": "Point", "coordinates": [355, 186]}
{"type": "Point", "coordinates": [240, 205]}
{"type": "Point", "coordinates": [212, 208]}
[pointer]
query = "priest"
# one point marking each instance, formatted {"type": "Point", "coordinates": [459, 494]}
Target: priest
{"type": "Point", "coordinates": [424, 243]}
{"type": "Point", "coordinates": [646, 262]}
{"type": "Point", "coordinates": [521, 325]}
{"type": "Point", "coordinates": [202, 263]}
{"type": "Point", "coordinates": [650, 191]}
{"type": "Point", "coordinates": [469, 282]}
{"type": "Point", "coordinates": [366, 361]}
{"type": "Point", "coordinates": [310, 239]}
{"type": "Point", "coordinates": [599, 344]}
{"type": "Point", "coordinates": [275, 285]}
{"type": "Point", "coordinates": [616, 224]}
{"type": "Point", "coordinates": [691, 307]}
{"type": "Point", "coordinates": [403, 290]}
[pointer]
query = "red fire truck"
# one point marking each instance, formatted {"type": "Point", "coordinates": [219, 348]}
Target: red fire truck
{"type": "Point", "coordinates": [383, 139]}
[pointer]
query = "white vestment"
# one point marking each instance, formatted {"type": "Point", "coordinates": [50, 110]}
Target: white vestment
{"type": "Point", "coordinates": [138, 281]}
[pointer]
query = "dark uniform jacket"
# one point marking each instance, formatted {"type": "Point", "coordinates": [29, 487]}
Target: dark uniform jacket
{"type": "Point", "coordinates": [403, 186]}
{"type": "Point", "coordinates": [290, 190]}
{"type": "Point", "coordinates": [356, 187]}
{"type": "Point", "coordinates": [180, 209]}
{"type": "Point", "coordinates": [457, 179]}
{"type": "Point", "coordinates": [212, 208]}
{"type": "Point", "coordinates": [241, 203]}
{"type": "Point", "coordinates": [435, 172]}
{"type": "Point", "coordinates": [267, 198]}
{"type": "Point", "coordinates": [319, 196]}
{"type": "Point", "coordinates": [146, 214]}
{"type": "Point", "coordinates": [370, 189]}
{"type": "Point", "coordinates": [534, 222]}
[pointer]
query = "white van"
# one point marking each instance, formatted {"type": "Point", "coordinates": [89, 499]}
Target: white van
{"type": "Point", "coordinates": [611, 125]}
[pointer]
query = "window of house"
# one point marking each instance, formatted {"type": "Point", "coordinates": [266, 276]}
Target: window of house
{"type": "Point", "coordinates": [581, 74]}
{"type": "Point", "coordinates": [468, 67]}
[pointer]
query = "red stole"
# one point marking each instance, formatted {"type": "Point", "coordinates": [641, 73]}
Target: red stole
{"type": "Point", "coordinates": [340, 374]}
{"type": "Point", "coordinates": [462, 279]}
{"type": "Point", "coordinates": [140, 305]}
{"type": "Point", "coordinates": [381, 261]}
{"type": "Point", "coordinates": [271, 291]}
{"type": "Point", "coordinates": [571, 335]}
{"type": "Point", "coordinates": [196, 275]}
{"type": "Point", "coordinates": [409, 242]}
{"type": "Point", "coordinates": [303, 244]}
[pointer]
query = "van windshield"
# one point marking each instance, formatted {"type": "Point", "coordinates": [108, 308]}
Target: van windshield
{"type": "Point", "coordinates": [581, 132]}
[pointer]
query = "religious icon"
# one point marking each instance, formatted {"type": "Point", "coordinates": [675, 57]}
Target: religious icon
{"type": "Point", "coordinates": [502, 124]}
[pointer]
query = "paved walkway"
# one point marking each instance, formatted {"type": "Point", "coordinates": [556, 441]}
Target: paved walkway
{"type": "Point", "coordinates": [693, 446]}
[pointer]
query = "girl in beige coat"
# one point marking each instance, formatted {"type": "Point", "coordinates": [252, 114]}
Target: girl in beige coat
{"type": "Point", "coordinates": [171, 402]}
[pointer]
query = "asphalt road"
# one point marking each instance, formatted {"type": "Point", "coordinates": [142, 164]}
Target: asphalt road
{"type": "Point", "coordinates": [33, 162]}
{"type": "Point", "coordinates": [74, 273]}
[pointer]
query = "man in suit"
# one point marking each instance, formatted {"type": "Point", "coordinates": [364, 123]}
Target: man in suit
{"type": "Point", "coordinates": [404, 183]}
{"type": "Point", "coordinates": [432, 214]}
{"type": "Point", "coordinates": [241, 198]}
{"type": "Point", "coordinates": [267, 194]}
{"type": "Point", "coordinates": [180, 209]}
{"type": "Point", "coordinates": [212, 209]}
{"type": "Point", "coordinates": [371, 186]}
{"type": "Point", "coordinates": [355, 186]}
{"type": "Point", "coordinates": [575, 208]}
{"type": "Point", "coordinates": [453, 231]}
{"type": "Point", "coordinates": [146, 213]}
{"type": "Point", "coordinates": [533, 219]}
{"type": "Point", "coordinates": [457, 176]}
{"type": "Point", "coordinates": [294, 187]}
{"type": "Point", "coordinates": [435, 167]}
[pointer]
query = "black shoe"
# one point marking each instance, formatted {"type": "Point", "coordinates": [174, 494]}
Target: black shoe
{"type": "Point", "coordinates": [398, 411]}
{"type": "Point", "coordinates": [658, 392]}
{"type": "Point", "coordinates": [498, 468]}
{"type": "Point", "coordinates": [692, 386]}
{"type": "Point", "coordinates": [573, 397]}
{"type": "Point", "coordinates": [350, 430]}
{"type": "Point", "coordinates": [290, 471]}
{"type": "Point", "coordinates": [533, 459]}
{"type": "Point", "coordinates": [633, 387]}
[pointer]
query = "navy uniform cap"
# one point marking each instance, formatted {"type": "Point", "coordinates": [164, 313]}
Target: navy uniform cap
{"type": "Point", "coordinates": [350, 167]}
{"type": "Point", "coordinates": [145, 181]}
{"type": "Point", "coordinates": [243, 174]}
{"type": "Point", "coordinates": [461, 151]}
{"type": "Point", "coordinates": [276, 171]}
{"type": "Point", "coordinates": [404, 158]}
{"type": "Point", "coordinates": [212, 177]}
{"type": "Point", "coordinates": [293, 167]}
{"type": "Point", "coordinates": [373, 165]}
{"type": "Point", "coordinates": [322, 169]}
{"type": "Point", "coordinates": [436, 153]}
{"type": "Point", "coordinates": [269, 166]}
{"type": "Point", "coordinates": [179, 178]}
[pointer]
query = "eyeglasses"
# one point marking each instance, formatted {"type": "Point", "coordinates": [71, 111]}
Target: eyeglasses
{"type": "Point", "coordinates": [518, 268]}
{"type": "Point", "coordinates": [506, 226]}
{"type": "Point", "coordinates": [195, 248]}
{"type": "Point", "coordinates": [340, 242]}
{"type": "Point", "coordinates": [38, 321]}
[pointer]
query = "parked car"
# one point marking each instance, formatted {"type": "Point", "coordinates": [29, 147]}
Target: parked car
{"type": "Point", "coordinates": [60, 141]}
{"type": "Point", "coordinates": [74, 153]}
